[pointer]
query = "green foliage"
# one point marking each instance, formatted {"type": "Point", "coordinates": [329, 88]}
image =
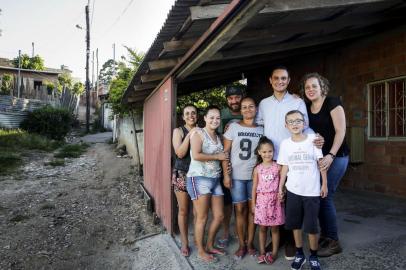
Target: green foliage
{"type": "Point", "coordinates": [13, 143]}
{"type": "Point", "coordinates": [108, 71]}
{"type": "Point", "coordinates": [27, 62]}
{"type": "Point", "coordinates": [16, 140]}
{"type": "Point", "coordinates": [53, 123]}
{"type": "Point", "coordinates": [119, 84]}
{"type": "Point", "coordinates": [37, 63]}
{"type": "Point", "coordinates": [64, 80]}
{"type": "Point", "coordinates": [6, 84]}
{"type": "Point", "coordinates": [71, 150]}
{"type": "Point", "coordinates": [78, 88]}
{"type": "Point", "coordinates": [56, 162]}
{"type": "Point", "coordinates": [202, 99]}
{"type": "Point", "coordinates": [8, 161]}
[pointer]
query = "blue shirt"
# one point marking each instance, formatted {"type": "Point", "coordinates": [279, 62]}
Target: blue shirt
{"type": "Point", "coordinates": [271, 114]}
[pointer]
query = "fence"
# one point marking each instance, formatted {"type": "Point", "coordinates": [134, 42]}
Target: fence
{"type": "Point", "coordinates": [14, 110]}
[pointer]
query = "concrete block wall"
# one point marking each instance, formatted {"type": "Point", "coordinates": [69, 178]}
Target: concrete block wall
{"type": "Point", "coordinates": [350, 67]}
{"type": "Point", "coordinates": [126, 135]}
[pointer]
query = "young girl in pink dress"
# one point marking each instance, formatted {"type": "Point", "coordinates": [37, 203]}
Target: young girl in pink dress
{"type": "Point", "coordinates": [268, 209]}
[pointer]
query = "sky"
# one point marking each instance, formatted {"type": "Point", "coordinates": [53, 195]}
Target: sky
{"type": "Point", "coordinates": [51, 25]}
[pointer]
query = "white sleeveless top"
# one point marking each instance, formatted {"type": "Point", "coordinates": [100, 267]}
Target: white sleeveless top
{"type": "Point", "coordinates": [209, 168]}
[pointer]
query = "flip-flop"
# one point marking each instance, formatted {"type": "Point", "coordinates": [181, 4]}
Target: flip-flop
{"type": "Point", "coordinates": [216, 251]}
{"type": "Point", "coordinates": [185, 252]}
{"type": "Point", "coordinates": [209, 260]}
{"type": "Point", "coordinates": [239, 254]}
{"type": "Point", "coordinates": [252, 252]}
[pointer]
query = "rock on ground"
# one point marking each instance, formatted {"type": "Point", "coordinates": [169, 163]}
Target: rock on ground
{"type": "Point", "coordinates": [84, 215]}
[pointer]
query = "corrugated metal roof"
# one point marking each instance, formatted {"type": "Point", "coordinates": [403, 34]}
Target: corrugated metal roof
{"type": "Point", "coordinates": [174, 22]}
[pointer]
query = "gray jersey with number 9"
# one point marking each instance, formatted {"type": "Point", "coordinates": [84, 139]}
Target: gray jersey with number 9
{"type": "Point", "coordinates": [243, 158]}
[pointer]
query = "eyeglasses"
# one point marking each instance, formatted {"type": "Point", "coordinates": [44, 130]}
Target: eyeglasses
{"type": "Point", "coordinates": [294, 122]}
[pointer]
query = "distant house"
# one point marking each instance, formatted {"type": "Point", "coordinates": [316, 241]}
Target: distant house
{"type": "Point", "coordinates": [33, 82]}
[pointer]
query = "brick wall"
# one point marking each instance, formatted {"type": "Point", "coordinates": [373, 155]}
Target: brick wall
{"type": "Point", "coordinates": [349, 67]}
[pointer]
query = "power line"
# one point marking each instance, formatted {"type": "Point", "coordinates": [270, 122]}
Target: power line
{"type": "Point", "coordinates": [91, 21]}
{"type": "Point", "coordinates": [119, 17]}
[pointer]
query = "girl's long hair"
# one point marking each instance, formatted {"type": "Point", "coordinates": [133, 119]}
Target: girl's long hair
{"type": "Point", "coordinates": [263, 140]}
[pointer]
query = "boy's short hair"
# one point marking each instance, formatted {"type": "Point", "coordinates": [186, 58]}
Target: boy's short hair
{"type": "Point", "coordinates": [293, 112]}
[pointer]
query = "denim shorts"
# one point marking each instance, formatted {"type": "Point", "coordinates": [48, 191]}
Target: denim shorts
{"type": "Point", "coordinates": [241, 190]}
{"type": "Point", "coordinates": [200, 185]}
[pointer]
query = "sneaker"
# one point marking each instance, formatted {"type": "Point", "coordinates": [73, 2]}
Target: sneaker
{"type": "Point", "coordinates": [290, 251]}
{"type": "Point", "coordinates": [314, 263]}
{"type": "Point", "coordinates": [331, 247]}
{"type": "Point", "coordinates": [323, 241]}
{"type": "Point", "coordinates": [298, 262]}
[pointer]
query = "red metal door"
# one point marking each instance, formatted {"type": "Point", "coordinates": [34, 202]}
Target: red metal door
{"type": "Point", "coordinates": [158, 110]}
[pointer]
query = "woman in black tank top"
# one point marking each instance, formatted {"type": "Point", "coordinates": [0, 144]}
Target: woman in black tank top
{"type": "Point", "coordinates": [327, 117]}
{"type": "Point", "coordinates": [181, 146]}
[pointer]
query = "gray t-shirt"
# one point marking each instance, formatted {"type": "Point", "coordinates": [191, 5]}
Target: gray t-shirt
{"type": "Point", "coordinates": [243, 158]}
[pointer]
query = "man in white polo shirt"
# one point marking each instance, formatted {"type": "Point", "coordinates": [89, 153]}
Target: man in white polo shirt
{"type": "Point", "coordinates": [271, 114]}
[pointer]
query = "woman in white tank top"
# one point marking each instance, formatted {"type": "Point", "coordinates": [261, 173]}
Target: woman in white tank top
{"type": "Point", "coordinates": [203, 182]}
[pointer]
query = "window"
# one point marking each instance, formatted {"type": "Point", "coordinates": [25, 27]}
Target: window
{"type": "Point", "coordinates": [387, 109]}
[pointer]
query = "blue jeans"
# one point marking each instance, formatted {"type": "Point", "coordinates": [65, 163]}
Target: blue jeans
{"type": "Point", "coordinates": [327, 214]}
{"type": "Point", "coordinates": [241, 190]}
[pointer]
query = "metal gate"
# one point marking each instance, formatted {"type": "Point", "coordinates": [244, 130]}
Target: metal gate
{"type": "Point", "coordinates": [158, 110]}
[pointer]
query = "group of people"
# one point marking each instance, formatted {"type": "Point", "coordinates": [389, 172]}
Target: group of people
{"type": "Point", "coordinates": [278, 164]}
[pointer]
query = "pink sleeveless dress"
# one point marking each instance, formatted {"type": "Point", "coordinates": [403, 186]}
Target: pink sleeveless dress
{"type": "Point", "coordinates": [269, 211]}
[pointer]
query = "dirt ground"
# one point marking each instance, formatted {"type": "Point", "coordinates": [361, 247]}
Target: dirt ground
{"type": "Point", "coordinates": [87, 214]}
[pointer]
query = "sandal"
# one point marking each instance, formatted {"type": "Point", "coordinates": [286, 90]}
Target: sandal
{"type": "Point", "coordinates": [268, 258]}
{"type": "Point", "coordinates": [210, 259]}
{"type": "Point", "coordinates": [223, 242]}
{"type": "Point", "coordinates": [215, 251]}
{"type": "Point", "coordinates": [252, 252]}
{"type": "Point", "coordinates": [239, 254]}
{"type": "Point", "coordinates": [261, 259]}
{"type": "Point", "coordinates": [185, 252]}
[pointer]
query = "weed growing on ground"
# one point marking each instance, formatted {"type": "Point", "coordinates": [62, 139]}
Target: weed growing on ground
{"type": "Point", "coordinates": [14, 144]}
{"type": "Point", "coordinates": [56, 162]}
{"type": "Point", "coordinates": [72, 150]}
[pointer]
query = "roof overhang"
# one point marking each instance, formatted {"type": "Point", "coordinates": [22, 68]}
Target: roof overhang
{"type": "Point", "coordinates": [216, 41]}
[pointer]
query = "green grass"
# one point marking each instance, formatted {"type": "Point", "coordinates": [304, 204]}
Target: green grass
{"type": "Point", "coordinates": [9, 161]}
{"type": "Point", "coordinates": [56, 162]}
{"type": "Point", "coordinates": [71, 150]}
{"type": "Point", "coordinates": [19, 140]}
{"type": "Point", "coordinates": [15, 143]}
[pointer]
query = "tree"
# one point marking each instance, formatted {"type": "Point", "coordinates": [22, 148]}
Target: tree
{"type": "Point", "coordinates": [27, 62]}
{"type": "Point", "coordinates": [6, 84]}
{"type": "Point", "coordinates": [125, 71]}
{"type": "Point", "coordinates": [64, 80]}
{"type": "Point", "coordinates": [202, 99]}
{"type": "Point", "coordinates": [108, 71]}
{"type": "Point", "coordinates": [78, 88]}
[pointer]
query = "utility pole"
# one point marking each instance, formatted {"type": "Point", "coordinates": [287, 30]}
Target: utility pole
{"type": "Point", "coordinates": [32, 54]}
{"type": "Point", "coordinates": [19, 74]}
{"type": "Point", "coordinates": [114, 58]}
{"type": "Point", "coordinates": [87, 70]}
{"type": "Point", "coordinates": [92, 71]}
{"type": "Point", "coordinates": [97, 73]}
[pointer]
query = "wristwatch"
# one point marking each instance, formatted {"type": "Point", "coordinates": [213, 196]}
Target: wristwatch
{"type": "Point", "coordinates": [332, 155]}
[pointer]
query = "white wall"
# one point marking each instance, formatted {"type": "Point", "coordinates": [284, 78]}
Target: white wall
{"type": "Point", "coordinates": [125, 135]}
{"type": "Point", "coordinates": [107, 117]}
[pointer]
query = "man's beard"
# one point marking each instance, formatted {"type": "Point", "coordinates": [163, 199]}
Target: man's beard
{"type": "Point", "coordinates": [234, 105]}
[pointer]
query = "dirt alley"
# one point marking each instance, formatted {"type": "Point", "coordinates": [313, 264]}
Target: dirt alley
{"type": "Point", "coordinates": [87, 214]}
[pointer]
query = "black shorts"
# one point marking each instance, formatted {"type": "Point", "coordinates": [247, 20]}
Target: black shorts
{"type": "Point", "coordinates": [227, 193]}
{"type": "Point", "coordinates": [302, 210]}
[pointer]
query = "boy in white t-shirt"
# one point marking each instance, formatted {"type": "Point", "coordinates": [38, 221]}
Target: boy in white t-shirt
{"type": "Point", "coordinates": [299, 159]}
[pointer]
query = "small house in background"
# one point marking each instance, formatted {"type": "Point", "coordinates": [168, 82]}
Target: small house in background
{"type": "Point", "coordinates": [37, 89]}
{"type": "Point", "coordinates": [35, 84]}
{"type": "Point", "coordinates": [359, 45]}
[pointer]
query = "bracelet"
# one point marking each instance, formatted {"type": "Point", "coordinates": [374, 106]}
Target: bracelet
{"type": "Point", "coordinates": [332, 155]}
